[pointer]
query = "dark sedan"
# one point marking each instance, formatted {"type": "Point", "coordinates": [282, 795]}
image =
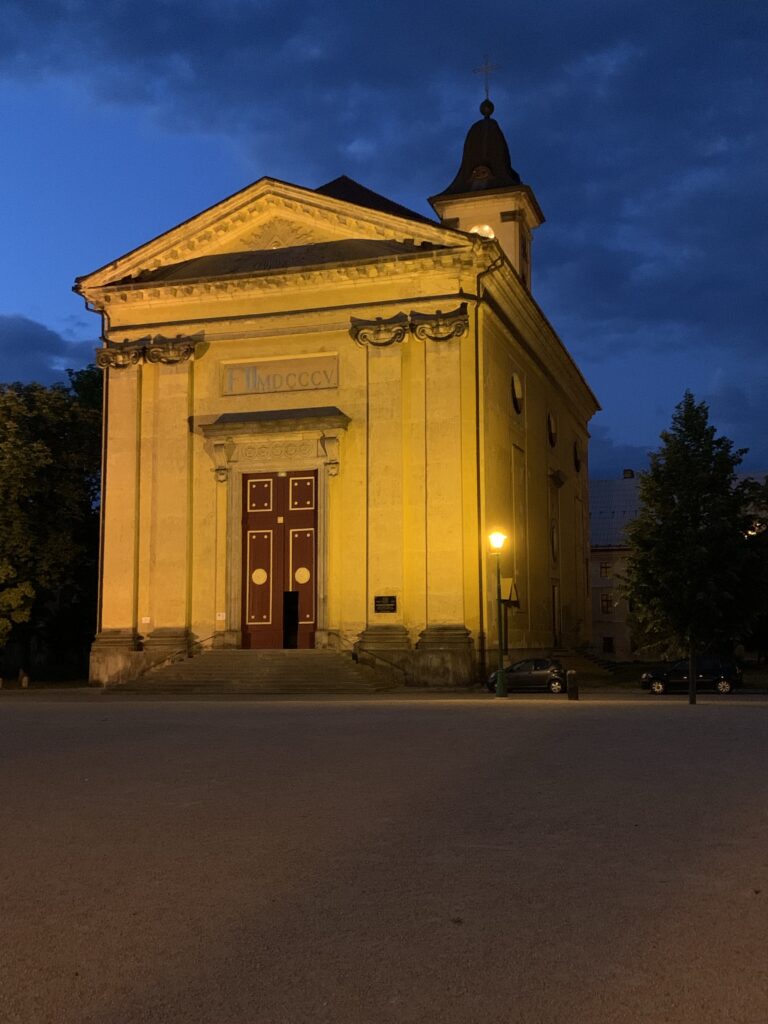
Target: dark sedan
{"type": "Point", "coordinates": [532, 674]}
{"type": "Point", "coordinates": [719, 674]}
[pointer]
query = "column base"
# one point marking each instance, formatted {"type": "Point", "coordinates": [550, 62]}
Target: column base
{"type": "Point", "coordinates": [114, 654]}
{"type": "Point", "coordinates": [445, 656]}
{"type": "Point", "coordinates": [165, 642]}
{"type": "Point", "coordinates": [382, 646]}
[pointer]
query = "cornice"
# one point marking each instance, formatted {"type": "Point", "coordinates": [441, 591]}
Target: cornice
{"type": "Point", "coordinates": [461, 259]}
{"type": "Point", "coordinates": [201, 233]}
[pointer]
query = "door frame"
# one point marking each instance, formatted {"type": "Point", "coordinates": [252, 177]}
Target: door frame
{"type": "Point", "coordinates": [276, 456]}
{"type": "Point", "coordinates": [281, 558]}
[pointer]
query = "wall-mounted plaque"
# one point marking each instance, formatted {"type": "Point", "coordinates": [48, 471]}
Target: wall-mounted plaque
{"type": "Point", "coordinates": [385, 603]}
{"type": "Point", "coordinates": [304, 373]}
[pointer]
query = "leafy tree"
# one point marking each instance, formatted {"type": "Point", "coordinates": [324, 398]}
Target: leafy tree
{"type": "Point", "coordinates": [694, 572]}
{"type": "Point", "coordinates": [50, 451]}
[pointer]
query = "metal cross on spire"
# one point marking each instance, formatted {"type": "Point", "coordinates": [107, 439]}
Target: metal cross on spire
{"type": "Point", "coordinates": [485, 70]}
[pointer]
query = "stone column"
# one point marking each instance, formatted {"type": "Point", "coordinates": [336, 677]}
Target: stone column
{"type": "Point", "coordinates": [168, 569]}
{"type": "Point", "coordinates": [117, 628]}
{"type": "Point", "coordinates": [444, 650]}
{"type": "Point", "coordinates": [385, 634]}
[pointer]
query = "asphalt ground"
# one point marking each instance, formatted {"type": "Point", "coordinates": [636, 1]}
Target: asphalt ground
{"type": "Point", "coordinates": [390, 860]}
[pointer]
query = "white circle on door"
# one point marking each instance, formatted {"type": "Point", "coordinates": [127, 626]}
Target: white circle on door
{"type": "Point", "coordinates": [302, 575]}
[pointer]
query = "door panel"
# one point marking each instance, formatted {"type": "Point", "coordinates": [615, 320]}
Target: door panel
{"type": "Point", "coordinates": [279, 558]}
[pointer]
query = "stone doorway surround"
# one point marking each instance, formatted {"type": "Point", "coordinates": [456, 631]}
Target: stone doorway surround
{"type": "Point", "coordinates": [275, 441]}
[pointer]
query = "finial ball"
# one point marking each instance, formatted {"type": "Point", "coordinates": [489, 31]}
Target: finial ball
{"type": "Point", "coordinates": [486, 108]}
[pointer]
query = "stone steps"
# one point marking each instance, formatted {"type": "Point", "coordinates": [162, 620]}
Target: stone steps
{"type": "Point", "coordinates": [265, 672]}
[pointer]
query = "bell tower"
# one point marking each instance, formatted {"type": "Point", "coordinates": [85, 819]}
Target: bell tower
{"type": "Point", "coordinates": [487, 196]}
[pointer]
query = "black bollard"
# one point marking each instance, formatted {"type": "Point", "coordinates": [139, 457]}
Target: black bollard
{"type": "Point", "coordinates": [572, 685]}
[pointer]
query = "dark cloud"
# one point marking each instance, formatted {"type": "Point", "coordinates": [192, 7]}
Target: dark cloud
{"type": "Point", "coordinates": [29, 351]}
{"type": "Point", "coordinates": [608, 460]}
{"type": "Point", "coordinates": [738, 410]}
{"type": "Point", "coordinates": [642, 128]}
{"type": "Point", "coordinates": [645, 137]}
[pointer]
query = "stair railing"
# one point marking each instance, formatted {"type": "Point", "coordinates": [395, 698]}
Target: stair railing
{"type": "Point", "coordinates": [352, 647]}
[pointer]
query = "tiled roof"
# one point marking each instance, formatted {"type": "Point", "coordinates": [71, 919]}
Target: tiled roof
{"type": "Point", "coordinates": [612, 505]}
{"type": "Point", "coordinates": [258, 261]}
{"type": "Point", "coordinates": [351, 191]}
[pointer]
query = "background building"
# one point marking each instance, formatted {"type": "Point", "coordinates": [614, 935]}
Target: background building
{"type": "Point", "coordinates": [613, 504]}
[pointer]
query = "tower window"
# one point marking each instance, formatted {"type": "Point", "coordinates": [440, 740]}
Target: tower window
{"type": "Point", "coordinates": [517, 393]}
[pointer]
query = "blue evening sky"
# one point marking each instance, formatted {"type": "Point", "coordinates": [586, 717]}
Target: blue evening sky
{"type": "Point", "coordinates": [641, 126]}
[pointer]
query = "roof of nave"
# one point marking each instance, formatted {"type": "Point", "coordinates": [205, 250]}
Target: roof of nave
{"type": "Point", "coordinates": [351, 191]}
{"type": "Point", "coordinates": [317, 254]}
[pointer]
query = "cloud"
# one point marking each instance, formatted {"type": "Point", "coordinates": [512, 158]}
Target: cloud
{"type": "Point", "coordinates": [737, 410]}
{"type": "Point", "coordinates": [608, 460]}
{"type": "Point", "coordinates": [30, 351]}
{"type": "Point", "coordinates": [645, 138]}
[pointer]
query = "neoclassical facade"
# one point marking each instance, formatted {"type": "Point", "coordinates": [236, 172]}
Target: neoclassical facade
{"type": "Point", "coordinates": [318, 404]}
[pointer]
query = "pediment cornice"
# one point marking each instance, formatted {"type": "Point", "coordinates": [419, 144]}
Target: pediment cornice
{"type": "Point", "coordinates": [267, 282]}
{"type": "Point", "coordinates": [266, 214]}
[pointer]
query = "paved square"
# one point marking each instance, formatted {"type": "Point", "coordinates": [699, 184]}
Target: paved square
{"type": "Point", "coordinates": [383, 861]}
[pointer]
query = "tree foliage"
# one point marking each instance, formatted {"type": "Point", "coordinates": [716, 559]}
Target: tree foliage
{"type": "Point", "coordinates": [50, 452]}
{"type": "Point", "coordinates": [695, 570]}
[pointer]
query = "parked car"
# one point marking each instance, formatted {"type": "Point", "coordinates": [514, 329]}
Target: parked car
{"type": "Point", "coordinates": [712, 673]}
{"type": "Point", "coordinates": [532, 674]}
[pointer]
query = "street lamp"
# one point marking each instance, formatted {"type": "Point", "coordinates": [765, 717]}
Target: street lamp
{"type": "Point", "coordinates": [496, 540]}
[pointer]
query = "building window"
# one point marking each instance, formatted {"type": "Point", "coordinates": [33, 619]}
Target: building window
{"type": "Point", "coordinates": [553, 541]}
{"type": "Point", "coordinates": [606, 602]}
{"type": "Point", "coordinates": [517, 393]}
{"type": "Point", "coordinates": [605, 570]}
{"type": "Point", "coordinates": [577, 457]}
{"type": "Point", "coordinates": [551, 430]}
{"type": "Point", "coordinates": [608, 645]}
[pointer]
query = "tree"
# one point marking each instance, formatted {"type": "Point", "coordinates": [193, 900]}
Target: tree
{"type": "Point", "coordinates": [50, 452]}
{"type": "Point", "coordinates": [693, 573]}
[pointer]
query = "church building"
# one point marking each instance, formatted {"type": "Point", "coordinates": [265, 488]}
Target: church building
{"type": "Point", "coordinates": [318, 406]}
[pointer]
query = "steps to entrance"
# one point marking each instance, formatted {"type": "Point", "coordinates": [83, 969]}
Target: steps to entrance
{"type": "Point", "coordinates": [262, 672]}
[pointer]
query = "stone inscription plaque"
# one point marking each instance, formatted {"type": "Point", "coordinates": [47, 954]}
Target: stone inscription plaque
{"type": "Point", "coordinates": [384, 603]}
{"type": "Point", "coordinates": [310, 373]}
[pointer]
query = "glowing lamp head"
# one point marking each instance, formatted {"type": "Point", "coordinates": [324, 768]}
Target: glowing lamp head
{"type": "Point", "coordinates": [496, 540]}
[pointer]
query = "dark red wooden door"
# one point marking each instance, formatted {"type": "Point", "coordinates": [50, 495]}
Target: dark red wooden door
{"type": "Point", "coordinates": [279, 559]}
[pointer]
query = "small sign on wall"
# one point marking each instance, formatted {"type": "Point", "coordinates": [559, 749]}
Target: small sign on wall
{"type": "Point", "coordinates": [385, 603]}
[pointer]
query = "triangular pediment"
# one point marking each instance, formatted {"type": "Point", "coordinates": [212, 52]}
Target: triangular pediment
{"type": "Point", "coordinates": [268, 215]}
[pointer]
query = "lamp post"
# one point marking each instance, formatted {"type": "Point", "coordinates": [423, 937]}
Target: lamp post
{"type": "Point", "coordinates": [496, 540]}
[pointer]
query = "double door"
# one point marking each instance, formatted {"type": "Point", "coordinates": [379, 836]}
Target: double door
{"type": "Point", "coordinates": [279, 559]}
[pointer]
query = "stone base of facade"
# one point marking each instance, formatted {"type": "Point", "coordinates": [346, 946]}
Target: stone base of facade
{"type": "Point", "coordinates": [167, 642]}
{"type": "Point", "coordinates": [120, 655]}
{"type": "Point", "coordinates": [227, 639]}
{"type": "Point", "coordinates": [387, 648]}
{"type": "Point", "coordinates": [444, 656]}
{"type": "Point", "coordinates": [114, 656]}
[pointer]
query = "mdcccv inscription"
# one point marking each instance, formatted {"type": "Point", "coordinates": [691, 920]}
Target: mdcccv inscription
{"type": "Point", "coordinates": [269, 375]}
